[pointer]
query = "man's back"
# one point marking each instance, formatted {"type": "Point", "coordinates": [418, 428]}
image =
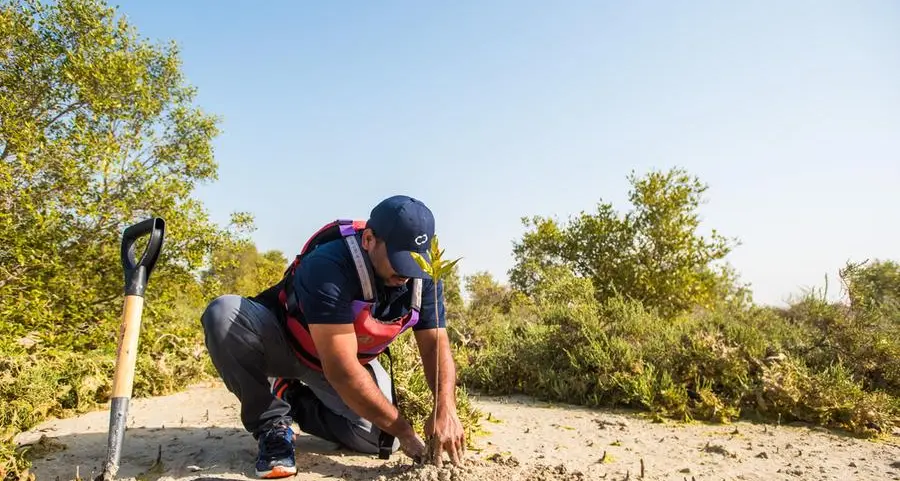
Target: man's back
{"type": "Point", "coordinates": [326, 283]}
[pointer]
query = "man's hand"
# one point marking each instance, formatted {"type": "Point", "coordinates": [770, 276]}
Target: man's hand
{"type": "Point", "coordinates": [412, 445]}
{"type": "Point", "coordinates": [449, 436]}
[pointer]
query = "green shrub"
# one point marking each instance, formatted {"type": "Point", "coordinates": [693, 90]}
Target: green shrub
{"type": "Point", "coordinates": [708, 365]}
{"type": "Point", "coordinates": [789, 391]}
{"type": "Point", "coordinates": [864, 337]}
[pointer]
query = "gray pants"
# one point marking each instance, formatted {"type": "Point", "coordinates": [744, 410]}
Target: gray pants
{"type": "Point", "coordinates": [248, 346]}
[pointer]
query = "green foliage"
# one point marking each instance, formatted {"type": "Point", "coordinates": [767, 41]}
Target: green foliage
{"type": "Point", "coordinates": [239, 268]}
{"type": "Point", "coordinates": [453, 299]}
{"type": "Point", "coordinates": [653, 253]}
{"type": "Point", "coordinates": [713, 365]}
{"type": "Point", "coordinates": [862, 334]}
{"type": "Point", "coordinates": [874, 286]}
{"type": "Point", "coordinates": [98, 130]}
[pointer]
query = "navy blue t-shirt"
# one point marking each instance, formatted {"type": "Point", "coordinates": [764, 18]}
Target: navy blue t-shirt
{"type": "Point", "coordinates": [326, 283]}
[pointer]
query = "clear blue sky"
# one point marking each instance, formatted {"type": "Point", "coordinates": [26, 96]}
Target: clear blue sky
{"type": "Point", "coordinates": [790, 111]}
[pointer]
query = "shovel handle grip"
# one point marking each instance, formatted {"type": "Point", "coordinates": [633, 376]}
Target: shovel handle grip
{"type": "Point", "coordinates": [137, 271]}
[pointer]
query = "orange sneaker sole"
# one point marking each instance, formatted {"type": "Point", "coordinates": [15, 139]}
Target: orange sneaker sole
{"type": "Point", "coordinates": [277, 472]}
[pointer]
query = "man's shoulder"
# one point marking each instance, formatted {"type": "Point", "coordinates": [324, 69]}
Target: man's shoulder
{"type": "Point", "coordinates": [327, 259]}
{"type": "Point", "coordinates": [325, 283]}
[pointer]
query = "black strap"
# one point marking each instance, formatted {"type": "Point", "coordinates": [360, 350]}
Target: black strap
{"type": "Point", "coordinates": [385, 440]}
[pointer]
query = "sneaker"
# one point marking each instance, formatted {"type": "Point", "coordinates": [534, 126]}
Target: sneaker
{"type": "Point", "coordinates": [276, 453]}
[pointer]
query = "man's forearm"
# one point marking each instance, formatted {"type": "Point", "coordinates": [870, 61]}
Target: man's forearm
{"type": "Point", "coordinates": [357, 388]}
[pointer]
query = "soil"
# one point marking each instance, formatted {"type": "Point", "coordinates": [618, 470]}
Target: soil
{"type": "Point", "coordinates": [196, 435]}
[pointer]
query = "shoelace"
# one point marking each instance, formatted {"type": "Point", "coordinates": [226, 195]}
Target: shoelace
{"type": "Point", "coordinates": [276, 443]}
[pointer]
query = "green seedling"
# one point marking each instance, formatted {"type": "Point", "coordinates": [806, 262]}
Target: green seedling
{"type": "Point", "coordinates": [437, 268]}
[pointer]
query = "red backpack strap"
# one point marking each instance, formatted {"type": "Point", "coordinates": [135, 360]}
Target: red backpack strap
{"type": "Point", "coordinates": [340, 228]}
{"type": "Point", "coordinates": [332, 231]}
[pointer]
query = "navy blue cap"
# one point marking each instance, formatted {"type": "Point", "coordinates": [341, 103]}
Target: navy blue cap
{"type": "Point", "coordinates": [406, 225]}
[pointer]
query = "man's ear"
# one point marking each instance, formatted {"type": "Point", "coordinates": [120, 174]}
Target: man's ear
{"type": "Point", "coordinates": [368, 239]}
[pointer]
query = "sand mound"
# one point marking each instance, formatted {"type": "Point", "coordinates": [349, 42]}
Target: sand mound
{"type": "Point", "coordinates": [498, 469]}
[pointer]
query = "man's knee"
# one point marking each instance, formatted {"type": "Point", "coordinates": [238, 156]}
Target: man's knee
{"type": "Point", "coordinates": [218, 317]}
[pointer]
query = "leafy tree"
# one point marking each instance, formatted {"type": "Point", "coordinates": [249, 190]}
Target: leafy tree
{"type": "Point", "coordinates": [239, 268]}
{"type": "Point", "coordinates": [485, 293]}
{"type": "Point", "coordinates": [876, 285]}
{"type": "Point", "coordinates": [97, 130]}
{"type": "Point", "coordinates": [653, 253]}
{"type": "Point", "coordinates": [453, 301]}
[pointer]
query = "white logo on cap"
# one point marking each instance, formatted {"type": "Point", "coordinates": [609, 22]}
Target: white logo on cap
{"type": "Point", "coordinates": [421, 239]}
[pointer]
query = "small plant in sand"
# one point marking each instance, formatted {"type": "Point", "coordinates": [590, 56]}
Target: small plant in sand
{"type": "Point", "coordinates": [437, 268]}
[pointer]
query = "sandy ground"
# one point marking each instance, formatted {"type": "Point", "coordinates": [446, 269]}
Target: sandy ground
{"type": "Point", "coordinates": [196, 435]}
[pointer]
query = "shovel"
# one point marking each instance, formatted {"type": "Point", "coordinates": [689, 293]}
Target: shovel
{"type": "Point", "coordinates": [137, 272]}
